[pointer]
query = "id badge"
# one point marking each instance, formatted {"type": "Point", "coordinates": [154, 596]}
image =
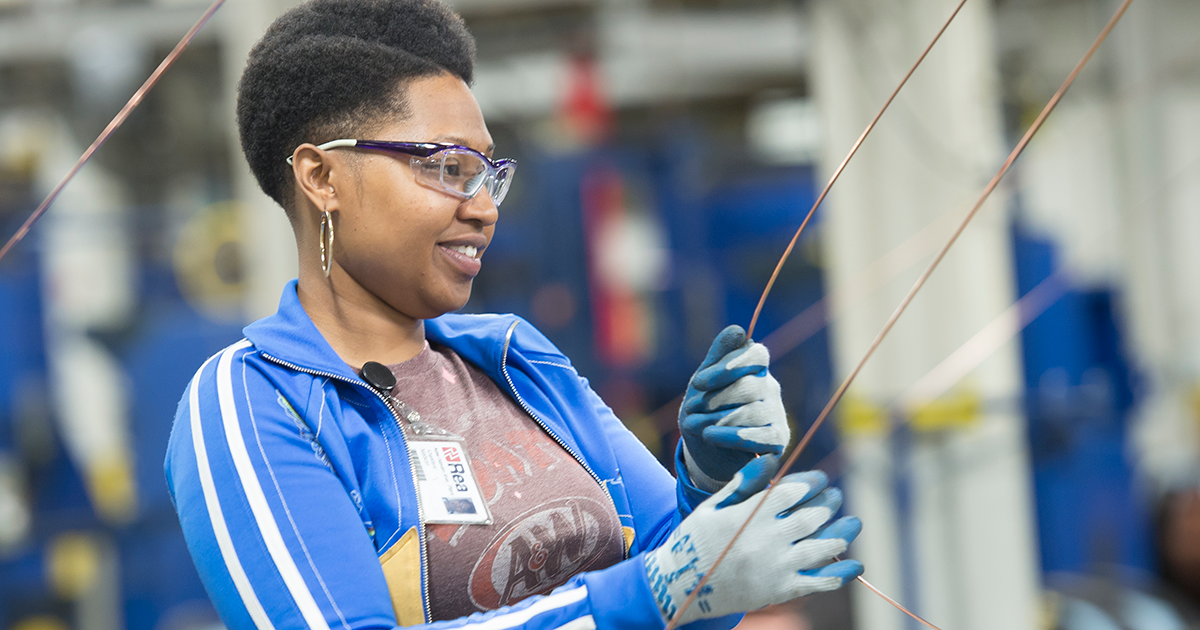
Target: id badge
{"type": "Point", "coordinates": [446, 483]}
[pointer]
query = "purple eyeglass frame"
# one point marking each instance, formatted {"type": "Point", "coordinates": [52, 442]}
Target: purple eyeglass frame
{"type": "Point", "coordinates": [428, 149]}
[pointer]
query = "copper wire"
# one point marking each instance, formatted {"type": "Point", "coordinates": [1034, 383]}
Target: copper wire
{"type": "Point", "coordinates": [1029, 307]}
{"type": "Point", "coordinates": [841, 390]}
{"type": "Point", "coordinates": [116, 122]}
{"type": "Point", "coordinates": [841, 167]}
{"type": "Point", "coordinates": [864, 582]}
{"type": "Point", "coordinates": [674, 621]}
{"type": "Point", "coordinates": [866, 282]}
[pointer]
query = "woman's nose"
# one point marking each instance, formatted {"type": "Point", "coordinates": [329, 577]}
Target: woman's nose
{"type": "Point", "coordinates": [479, 208]}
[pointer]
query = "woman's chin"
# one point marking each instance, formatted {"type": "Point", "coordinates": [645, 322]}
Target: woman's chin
{"type": "Point", "coordinates": [460, 304]}
{"type": "Point", "coordinates": [448, 302]}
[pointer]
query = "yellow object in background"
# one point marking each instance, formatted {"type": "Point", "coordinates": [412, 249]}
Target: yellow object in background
{"type": "Point", "coordinates": [41, 622]}
{"type": "Point", "coordinates": [959, 410]}
{"type": "Point", "coordinates": [1195, 400]}
{"type": "Point", "coordinates": [112, 490]}
{"type": "Point", "coordinates": [208, 261]}
{"type": "Point", "coordinates": [72, 564]}
{"type": "Point", "coordinates": [859, 417]}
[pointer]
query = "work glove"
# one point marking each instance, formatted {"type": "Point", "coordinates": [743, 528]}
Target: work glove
{"type": "Point", "coordinates": [732, 411]}
{"type": "Point", "coordinates": [777, 558]}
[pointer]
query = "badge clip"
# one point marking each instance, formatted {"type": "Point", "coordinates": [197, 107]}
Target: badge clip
{"type": "Point", "coordinates": [421, 429]}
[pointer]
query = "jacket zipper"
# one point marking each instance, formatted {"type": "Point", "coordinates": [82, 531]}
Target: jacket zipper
{"type": "Point", "coordinates": [411, 467]}
{"type": "Point", "coordinates": [542, 424]}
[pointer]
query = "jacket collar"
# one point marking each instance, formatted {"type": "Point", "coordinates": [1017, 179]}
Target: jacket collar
{"type": "Point", "coordinates": [291, 336]}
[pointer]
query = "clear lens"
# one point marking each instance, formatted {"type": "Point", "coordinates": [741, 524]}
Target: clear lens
{"type": "Point", "coordinates": [463, 173]}
{"type": "Point", "coordinates": [428, 171]}
{"type": "Point", "coordinates": [499, 183]}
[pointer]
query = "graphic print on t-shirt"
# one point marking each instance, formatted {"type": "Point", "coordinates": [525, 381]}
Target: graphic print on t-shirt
{"type": "Point", "coordinates": [551, 519]}
{"type": "Point", "coordinates": [508, 460]}
{"type": "Point", "coordinates": [539, 550]}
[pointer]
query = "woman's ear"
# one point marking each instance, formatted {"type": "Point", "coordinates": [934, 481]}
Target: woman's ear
{"type": "Point", "coordinates": [313, 170]}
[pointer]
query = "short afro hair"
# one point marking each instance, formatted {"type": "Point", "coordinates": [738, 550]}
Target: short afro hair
{"type": "Point", "coordinates": [329, 68]}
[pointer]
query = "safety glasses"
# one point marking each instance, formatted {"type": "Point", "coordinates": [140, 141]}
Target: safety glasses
{"type": "Point", "coordinates": [453, 168]}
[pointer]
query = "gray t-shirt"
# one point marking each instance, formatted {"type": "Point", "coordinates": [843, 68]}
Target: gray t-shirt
{"type": "Point", "coordinates": [551, 520]}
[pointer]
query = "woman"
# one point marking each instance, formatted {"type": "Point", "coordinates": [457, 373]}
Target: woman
{"type": "Point", "coordinates": [362, 459]}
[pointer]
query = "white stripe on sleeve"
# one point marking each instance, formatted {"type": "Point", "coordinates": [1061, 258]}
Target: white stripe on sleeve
{"type": "Point", "coordinates": [582, 623]}
{"type": "Point", "coordinates": [220, 529]}
{"type": "Point", "coordinates": [258, 501]}
{"type": "Point", "coordinates": [548, 603]}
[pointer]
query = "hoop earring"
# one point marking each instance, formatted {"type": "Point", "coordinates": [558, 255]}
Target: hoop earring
{"type": "Point", "coordinates": [326, 250]}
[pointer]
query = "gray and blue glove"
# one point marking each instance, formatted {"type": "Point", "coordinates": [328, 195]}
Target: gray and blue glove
{"type": "Point", "coordinates": [784, 552]}
{"type": "Point", "coordinates": [732, 411]}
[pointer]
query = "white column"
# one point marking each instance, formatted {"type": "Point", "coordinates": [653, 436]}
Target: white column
{"type": "Point", "coordinates": [1115, 182]}
{"type": "Point", "coordinates": [973, 542]}
{"type": "Point", "coordinates": [1158, 135]}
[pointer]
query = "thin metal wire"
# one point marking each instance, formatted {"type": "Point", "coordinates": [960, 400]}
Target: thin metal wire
{"type": "Point", "coordinates": [867, 281]}
{"type": "Point", "coordinates": [838, 173]}
{"type": "Point", "coordinates": [1031, 306]}
{"type": "Point", "coordinates": [895, 603]}
{"type": "Point", "coordinates": [841, 390]}
{"type": "Point", "coordinates": [116, 122]}
{"type": "Point", "coordinates": [673, 622]}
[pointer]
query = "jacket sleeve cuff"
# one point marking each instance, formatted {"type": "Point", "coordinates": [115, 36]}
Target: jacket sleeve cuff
{"type": "Point", "coordinates": [688, 495]}
{"type": "Point", "coordinates": [620, 597]}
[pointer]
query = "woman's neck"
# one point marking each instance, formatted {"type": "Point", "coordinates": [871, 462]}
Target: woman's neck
{"type": "Point", "coordinates": [358, 325]}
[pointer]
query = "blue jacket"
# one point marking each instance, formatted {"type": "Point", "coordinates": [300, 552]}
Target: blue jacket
{"type": "Point", "coordinates": [296, 496]}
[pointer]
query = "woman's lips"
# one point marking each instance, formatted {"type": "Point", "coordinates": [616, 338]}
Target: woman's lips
{"type": "Point", "coordinates": [468, 265]}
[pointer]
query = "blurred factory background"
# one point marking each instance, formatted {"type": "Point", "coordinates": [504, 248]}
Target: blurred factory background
{"type": "Point", "coordinates": [1009, 476]}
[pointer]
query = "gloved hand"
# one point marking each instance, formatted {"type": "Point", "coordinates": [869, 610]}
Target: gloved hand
{"type": "Point", "coordinates": [778, 558]}
{"type": "Point", "coordinates": [732, 411]}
